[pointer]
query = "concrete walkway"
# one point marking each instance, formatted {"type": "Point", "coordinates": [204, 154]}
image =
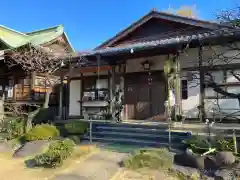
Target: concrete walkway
{"type": "Point", "coordinates": [100, 166]}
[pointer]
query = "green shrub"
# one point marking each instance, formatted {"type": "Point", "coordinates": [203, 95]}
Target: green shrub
{"type": "Point", "coordinates": [75, 138]}
{"type": "Point", "coordinates": [74, 128]}
{"type": "Point", "coordinates": [197, 143]}
{"type": "Point", "coordinates": [225, 145]}
{"type": "Point", "coordinates": [200, 144]}
{"type": "Point", "coordinates": [58, 151]}
{"type": "Point", "coordinates": [153, 159]}
{"type": "Point", "coordinates": [42, 132]}
{"type": "Point", "coordinates": [15, 128]}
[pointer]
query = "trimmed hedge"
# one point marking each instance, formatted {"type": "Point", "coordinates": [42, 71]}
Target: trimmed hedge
{"type": "Point", "coordinates": [42, 132]}
{"type": "Point", "coordinates": [58, 151]}
{"type": "Point", "coordinates": [75, 127]}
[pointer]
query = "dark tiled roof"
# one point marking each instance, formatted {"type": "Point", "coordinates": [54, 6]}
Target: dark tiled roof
{"type": "Point", "coordinates": [164, 42]}
{"type": "Point", "coordinates": [166, 16]}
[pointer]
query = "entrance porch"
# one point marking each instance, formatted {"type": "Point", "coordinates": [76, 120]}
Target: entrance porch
{"type": "Point", "coordinates": [144, 96]}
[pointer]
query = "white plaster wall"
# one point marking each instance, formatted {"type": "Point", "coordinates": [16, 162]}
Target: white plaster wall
{"type": "Point", "coordinates": [134, 65]}
{"type": "Point", "coordinates": [224, 106]}
{"type": "Point", "coordinates": [75, 92]}
{"type": "Point", "coordinates": [189, 106]}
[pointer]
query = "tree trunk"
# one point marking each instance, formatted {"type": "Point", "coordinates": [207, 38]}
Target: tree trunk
{"type": "Point", "coordinates": [29, 119]}
{"type": "Point", "coordinates": [47, 95]}
{"type": "Point", "coordinates": [28, 123]}
{"type": "Point", "coordinates": [2, 108]}
{"type": "Point", "coordinates": [46, 101]}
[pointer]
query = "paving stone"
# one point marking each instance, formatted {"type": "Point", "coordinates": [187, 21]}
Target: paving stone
{"type": "Point", "coordinates": [31, 148]}
{"type": "Point", "coordinates": [100, 166]}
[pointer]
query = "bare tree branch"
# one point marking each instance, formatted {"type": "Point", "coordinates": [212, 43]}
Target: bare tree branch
{"type": "Point", "coordinates": [37, 59]}
{"type": "Point", "coordinates": [231, 17]}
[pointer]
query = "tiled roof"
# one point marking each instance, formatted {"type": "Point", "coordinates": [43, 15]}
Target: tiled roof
{"type": "Point", "coordinates": [164, 42]}
{"type": "Point", "coordinates": [165, 16]}
{"type": "Point", "coordinates": [14, 39]}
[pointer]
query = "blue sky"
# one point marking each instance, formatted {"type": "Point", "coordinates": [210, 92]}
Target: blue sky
{"type": "Point", "coordinates": [90, 22]}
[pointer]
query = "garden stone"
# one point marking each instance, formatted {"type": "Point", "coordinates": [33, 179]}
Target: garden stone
{"type": "Point", "coordinates": [224, 175]}
{"type": "Point", "coordinates": [199, 162]}
{"type": "Point", "coordinates": [189, 159]}
{"type": "Point", "coordinates": [225, 158]}
{"type": "Point", "coordinates": [210, 164]}
{"type": "Point", "coordinates": [183, 159]}
{"type": "Point", "coordinates": [32, 148]}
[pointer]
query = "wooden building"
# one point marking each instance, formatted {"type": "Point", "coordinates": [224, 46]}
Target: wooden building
{"type": "Point", "coordinates": [18, 85]}
{"type": "Point", "coordinates": [134, 61]}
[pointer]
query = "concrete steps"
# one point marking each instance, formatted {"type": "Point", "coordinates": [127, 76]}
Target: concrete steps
{"type": "Point", "coordinates": [136, 134]}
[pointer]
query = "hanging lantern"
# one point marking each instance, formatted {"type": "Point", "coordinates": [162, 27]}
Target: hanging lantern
{"type": "Point", "coordinates": [146, 65]}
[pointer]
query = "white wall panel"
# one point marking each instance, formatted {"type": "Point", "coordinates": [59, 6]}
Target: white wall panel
{"type": "Point", "coordinates": [75, 92]}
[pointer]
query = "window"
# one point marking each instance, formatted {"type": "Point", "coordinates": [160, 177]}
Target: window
{"type": "Point", "coordinates": [231, 76]}
{"type": "Point", "coordinates": [89, 84]}
{"type": "Point", "coordinates": [102, 83]}
{"type": "Point", "coordinates": [95, 89]}
{"type": "Point", "coordinates": [184, 89]}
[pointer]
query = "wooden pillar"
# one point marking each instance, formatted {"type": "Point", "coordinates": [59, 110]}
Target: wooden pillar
{"type": "Point", "coordinates": [32, 84]}
{"type": "Point", "coordinates": [122, 86]}
{"type": "Point", "coordinates": [60, 100]}
{"type": "Point", "coordinates": [81, 94]}
{"type": "Point", "coordinates": [112, 88]}
{"type": "Point", "coordinates": [68, 88]}
{"type": "Point", "coordinates": [178, 98]}
{"type": "Point", "coordinates": [202, 91]}
{"type": "Point", "coordinates": [14, 87]}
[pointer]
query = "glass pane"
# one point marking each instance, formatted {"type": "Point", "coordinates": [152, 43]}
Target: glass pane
{"type": "Point", "coordinates": [89, 84]}
{"type": "Point", "coordinates": [102, 84]}
{"type": "Point", "coordinates": [102, 95]}
{"type": "Point", "coordinates": [209, 92]}
{"type": "Point", "coordinates": [233, 89]}
{"type": "Point", "coordinates": [89, 96]}
{"type": "Point", "coordinates": [231, 78]}
{"type": "Point", "coordinates": [218, 76]}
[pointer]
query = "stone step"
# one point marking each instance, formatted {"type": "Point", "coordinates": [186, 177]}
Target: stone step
{"type": "Point", "coordinates": [136, 134]}
{"type": "Point", "coordinates": [141, 130]}
{"type": "Point", "coordinates": [129, 141]}
{"type": "Point", "coordinates": [141, 136]}
{"type": "Point", "coordinates": [128, 125]}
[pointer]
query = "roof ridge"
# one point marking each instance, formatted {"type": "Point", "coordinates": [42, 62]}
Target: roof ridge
{"type": "Point", "coordinates": [5, 27]}
{"type": "Point", "coordinates": [154, 13]}
{"type": "Point", "coordinates": [46, 29]}
{"type": "Point", "coordinates": [186, 17]}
